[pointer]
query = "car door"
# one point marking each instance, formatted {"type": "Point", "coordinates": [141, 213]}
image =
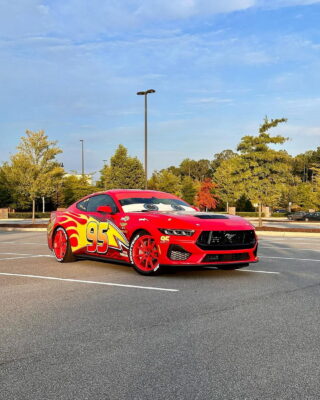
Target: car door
{"type": "Point", "coordinates": [104, 237]}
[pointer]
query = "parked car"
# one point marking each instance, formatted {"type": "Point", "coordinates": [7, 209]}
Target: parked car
{"type": "Point", "coordinates": [313, 216]}
{"type": "Point", "coordinates": [150, 229]}
{"type": "Point", "coordinates": [280, 211]}
{"type": "Point", "coordinates": [297, 216]}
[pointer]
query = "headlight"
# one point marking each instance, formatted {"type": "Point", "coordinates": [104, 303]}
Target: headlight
{"type": "Point", "coordinates": [177, 232]}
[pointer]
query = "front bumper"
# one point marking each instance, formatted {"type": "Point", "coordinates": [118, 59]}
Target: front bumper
{"type": "Point", "coordinates": [196, 256]}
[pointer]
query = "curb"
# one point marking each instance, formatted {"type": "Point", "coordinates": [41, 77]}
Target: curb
{"type": "Point", "coordinates": [288, 234]}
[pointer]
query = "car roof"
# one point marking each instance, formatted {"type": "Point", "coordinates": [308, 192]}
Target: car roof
{"type": "Point", "coordinates": [124, 193]}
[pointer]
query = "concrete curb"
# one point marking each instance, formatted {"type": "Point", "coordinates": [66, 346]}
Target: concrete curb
{"type": "Point", "coordinates": [288, 234]}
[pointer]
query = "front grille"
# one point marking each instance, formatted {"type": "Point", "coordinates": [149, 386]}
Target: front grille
{"type": "Point", "coordinates": [225, 257]}
{"type": "Point", "coordinates": [226, 240]}
{"type": "Point", "coordinates": [178, 253]}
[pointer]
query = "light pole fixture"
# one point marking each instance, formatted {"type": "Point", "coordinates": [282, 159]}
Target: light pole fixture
{"type": "Point", "coordinates": [145, 94]}
{"type": "Point", "coordinates": [82, 157]}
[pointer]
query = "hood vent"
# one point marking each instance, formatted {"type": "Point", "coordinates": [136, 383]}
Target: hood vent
{"type": "Point", "coordinates": [211, 216]}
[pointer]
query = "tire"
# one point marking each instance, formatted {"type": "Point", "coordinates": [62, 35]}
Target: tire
{"type": "Point", "coordinates": [306, 219]}
{"type": "Point", "coordinates": [232, 267]}
{"type": "Point", "coordinates": [61, 246]}
{"type": "Point", "coordinates": [144, 254]}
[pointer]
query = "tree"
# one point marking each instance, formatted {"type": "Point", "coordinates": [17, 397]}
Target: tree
{"type": "Point", "coordinates": [197, 170]}
{"type": "Point", "coordinates": [165, 181]}
{"type": "Point", "coordinates": [124, 172]}
{"type": "Point", "coordinates": [33, 171]}
{"type": "Point", "coordinates": [74, 188]}
{"type": "Point", "coordinates": [188, 190]}
{"type": "Point", "coordinates": [244, 204]}
{"type": "Point", "coordinates": [264, 172]}
{"type": "Point", "coordinates": [222, 156]}
{"type": "Point", "coordinates": [229, 188]}
{"type": "Point", "coordinates": [205, 199]}
{"type": "Point", "coordinates": [5, 194]}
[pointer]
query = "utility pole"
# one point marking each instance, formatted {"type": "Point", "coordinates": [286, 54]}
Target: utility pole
{"type": "Point", "coordinates": [145, 94]}
{"type": "Point", "coordinates": [82, 158]}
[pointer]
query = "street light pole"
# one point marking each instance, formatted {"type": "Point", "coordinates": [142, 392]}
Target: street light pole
{"type": "Point", "coordinates": [82, 157]}
{"type": "Point", "coordinates": [145, 94]}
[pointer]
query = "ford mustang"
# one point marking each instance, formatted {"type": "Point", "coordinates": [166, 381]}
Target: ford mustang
{"type": "Point", "coordinates": [150, 230]}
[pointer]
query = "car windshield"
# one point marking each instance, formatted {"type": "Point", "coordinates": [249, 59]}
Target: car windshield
{"type": "Point", "coordinates": [143, 204]}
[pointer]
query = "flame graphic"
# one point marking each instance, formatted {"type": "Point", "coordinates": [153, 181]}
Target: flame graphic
{"type": "Point", "coordinates": [76, 227]}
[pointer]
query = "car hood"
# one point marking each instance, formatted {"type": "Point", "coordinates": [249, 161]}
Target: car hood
{"type": "Point", "coordinates": [194, 220]}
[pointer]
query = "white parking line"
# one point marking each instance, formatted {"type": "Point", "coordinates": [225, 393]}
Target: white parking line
{"type": "Point", "coordinates": [258, 272]}
{"type": "Point", "coordinates": [22, 243]}
{"type": "Point", "coordinates": [17, 254]}
{"type": "Point", "coordinates": [88, 282]}
{"type": "Point", "coordinates": [26, 256]}
{"type": "Point", "coordinates": [292, 258]}
{"type": "Point", "coordinates": [286, 248]}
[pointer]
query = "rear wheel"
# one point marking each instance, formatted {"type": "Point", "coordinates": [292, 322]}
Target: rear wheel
{"type": "Point", "coordinates": [144, 254]}
{"type": "Point", "coordinates": [306, 219]}
{"type": "Point", "coordinates": [61, 246]}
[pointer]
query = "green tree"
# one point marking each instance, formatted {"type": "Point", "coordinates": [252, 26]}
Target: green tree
{"type": "Point", "coordinates": [33, 171]}
{"type": "Point", "coordinates": [6, 199]}
{"type": "Point", "coordinates": [188, 190]}
{"type": "Point", "coordinates": [124, 172]}
{"type": "Point", "coordinates": [244, 204]}
{"type": "Point", "coordinates": [165, 181]}
{"type": "Point", "coordinates": [197, 170]}
{"type": "Point", "coordinates": [74, 188]}
{"type": "Point", "coordinates": [229, 187]}
{"type": "Point", "coordinates": [222, 156]}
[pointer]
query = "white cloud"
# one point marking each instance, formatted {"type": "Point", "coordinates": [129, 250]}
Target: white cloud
{"type": "Point", "coordinates": [285, 3]}
{"type": "Point", "coordinates": [209, 100]}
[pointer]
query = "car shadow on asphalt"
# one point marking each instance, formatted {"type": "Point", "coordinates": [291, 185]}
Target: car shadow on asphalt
{"type": "Point", "coordinates": [187, 272]}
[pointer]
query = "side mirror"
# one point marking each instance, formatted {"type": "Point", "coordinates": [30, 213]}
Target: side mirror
{"type": "Point", "coordinates": [196, 208]}
{"type": "Point", "coordinates": [104, 209]}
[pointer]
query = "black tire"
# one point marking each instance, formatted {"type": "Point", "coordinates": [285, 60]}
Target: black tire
{"type": "Point", "coordinates": [306, 219]}
{"type": "Point", "coordinates": [232, 267]}
{"type": "Point", "coordinates": [66, 256]}
{"type": "Point", "coordinates": [137, 264]}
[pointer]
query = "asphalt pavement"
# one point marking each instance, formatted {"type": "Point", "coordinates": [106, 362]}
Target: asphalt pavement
{"type": "Point", "coordinates": [94, 330]}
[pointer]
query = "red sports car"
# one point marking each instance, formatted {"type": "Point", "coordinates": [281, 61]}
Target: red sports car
{"type": "Point", "coordinates": [150, 230]}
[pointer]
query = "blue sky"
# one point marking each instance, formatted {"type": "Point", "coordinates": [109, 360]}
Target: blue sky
{"type": "Point", "coordinates": [73, 67]}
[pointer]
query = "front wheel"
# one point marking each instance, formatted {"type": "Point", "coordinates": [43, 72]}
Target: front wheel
{"type": "Point", "coordinates": [144, 254]}
{"type": "Point", "coordinates": [306, 219]}
{"type": "Point", "coordinates": [61, 246]}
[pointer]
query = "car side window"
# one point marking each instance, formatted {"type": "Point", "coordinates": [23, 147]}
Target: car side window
{"type": "Point", "coordinates": [101, 200]}
{"type": "Point", "coordinates": [82, 205]}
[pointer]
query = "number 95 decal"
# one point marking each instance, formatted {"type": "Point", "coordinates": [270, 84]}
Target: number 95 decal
{"type": "Point", "coordinates": [97, 237]}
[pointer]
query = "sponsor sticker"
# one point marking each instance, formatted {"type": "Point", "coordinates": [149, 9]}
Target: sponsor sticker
{"type": "Point", "coordinates": [164, 239]}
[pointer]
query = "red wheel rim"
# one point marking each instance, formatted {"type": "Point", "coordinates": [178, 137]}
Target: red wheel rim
{"type": "Point", "coordinates": [60, 244]}
{"type": "Point", "coordinates": [145, 253]}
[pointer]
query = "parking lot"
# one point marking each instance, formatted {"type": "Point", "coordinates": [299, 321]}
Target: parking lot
{"type": "Point", "coordinates": [93, 330]}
